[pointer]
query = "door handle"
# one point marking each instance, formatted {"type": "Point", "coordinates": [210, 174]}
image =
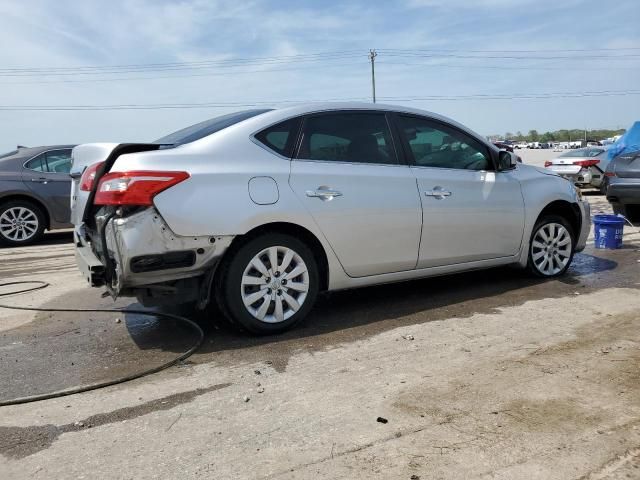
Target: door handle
{"type": "Point", "coordinates": [323, 193]}
{"type": "Point", "coordinates": [44, 181]}
{"type": "Point", "coordinates": [438, 193]}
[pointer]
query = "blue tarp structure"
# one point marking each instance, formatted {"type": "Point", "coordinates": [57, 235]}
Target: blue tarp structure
{"type": "Point", "coordinates": [629, 142]}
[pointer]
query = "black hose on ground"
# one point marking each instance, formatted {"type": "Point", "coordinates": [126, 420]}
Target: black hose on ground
{"type": "Point", "coordinates": [94, 386]}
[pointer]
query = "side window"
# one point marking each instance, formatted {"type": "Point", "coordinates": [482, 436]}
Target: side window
{"type": "Point", "coordinates": [59, 161]}
{"type": "Point", "coordinates": [39, 163]}
{"type": "Point", "coordinates": [434, 144]}
{"type": "Point", "coordinates": [357, 137]}
{"type": "Point", "coordinates": [281, 138]}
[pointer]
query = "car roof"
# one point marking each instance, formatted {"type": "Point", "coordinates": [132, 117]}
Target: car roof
{"type": "Point", "coordinates": [22, 152]}
{"type": "Point", "coordinates": [284, 113]}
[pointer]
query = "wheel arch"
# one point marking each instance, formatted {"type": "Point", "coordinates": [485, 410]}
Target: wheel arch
{"type": "Point", "coordinates": [30, 199]}
{"type": "Point", "coordinates": [567, 210]}
{"type": "Point", "coordinates": [294, 230]}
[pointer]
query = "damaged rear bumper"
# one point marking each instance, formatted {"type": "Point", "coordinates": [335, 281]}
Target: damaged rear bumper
{"type": "Point", "coordinates": [144, 254]}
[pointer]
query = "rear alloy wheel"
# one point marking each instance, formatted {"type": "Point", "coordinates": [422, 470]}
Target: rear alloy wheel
{"type": "Point", "coordinates": [21, 223]}
{"type": "Point", "coordinates": [551, 247]}
{"type": "Point", "coordinates": [271, 284]}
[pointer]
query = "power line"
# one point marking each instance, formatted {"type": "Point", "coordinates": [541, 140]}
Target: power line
{"type": "Point", "coordinates": [548, 95]}
{"type": "Point", "coordinates": [507, 67]}
{"type": "Point", "coordinates": [189, 75]}
{"type": "Point", "coordinates": [507, 56]}
{"type": "Point", "coordinates": [245, 60]}
{"type": "Point", "coordinates": [143, 68]}
{"type": "Point", "coordinates": [511, 51]}
{"type": "Point", "coordinates": [584, 54]}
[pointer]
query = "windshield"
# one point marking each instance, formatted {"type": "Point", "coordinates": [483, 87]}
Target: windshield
{"type": "Point", "coordinates": [584, 152]}
{"type": "Point", "coordinates": [202, 129]}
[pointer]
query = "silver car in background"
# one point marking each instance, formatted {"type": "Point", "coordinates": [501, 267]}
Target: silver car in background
{"type": "Point", "coordinates": [261, 210]}
{"type": "Point", "coordinates": [584, 167]}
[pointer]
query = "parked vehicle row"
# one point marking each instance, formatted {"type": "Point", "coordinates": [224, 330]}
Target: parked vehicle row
{"type": "Point", "coordinates": [260, 210]}
{"type": "Point", "coordinates": [613, 169]}
{"type": "Point", "coordinates": [34, 193]}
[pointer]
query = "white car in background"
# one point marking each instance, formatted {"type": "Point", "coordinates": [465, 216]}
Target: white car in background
{"type": "Point", "coordinates": [584, 166]}
{"type": "Point", "coordinates": [261, 210]}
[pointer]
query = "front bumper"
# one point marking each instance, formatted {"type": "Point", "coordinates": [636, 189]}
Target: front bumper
{"type": "Point", "coordinates": [585, 225]}
{"type": "Point", "coordinates": [144, 239]}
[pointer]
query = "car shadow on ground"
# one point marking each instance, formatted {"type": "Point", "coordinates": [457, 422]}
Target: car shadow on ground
{"type": "Point", "coordinates": [57, 350]}
{"type": "Point", "coordinates": [345, 316]}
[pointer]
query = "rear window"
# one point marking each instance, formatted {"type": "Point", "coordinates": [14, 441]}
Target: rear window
{"type": "Point", "coordinates": [203, 129]}
{"type": "Point", "coordinates": [584, 152]}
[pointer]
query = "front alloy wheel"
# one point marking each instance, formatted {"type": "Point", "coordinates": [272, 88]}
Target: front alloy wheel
{"type": "Point", "coordinates": [551, 248]}
{"type": "Point", "coordinates": [268, 284]}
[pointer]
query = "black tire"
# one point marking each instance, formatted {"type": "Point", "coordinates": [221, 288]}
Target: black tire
{"type": "Point", "coordinates": [229, 288]}
{"type": "Point", "coordinates": [35, 210]}
{"type": "Point", "coordinates": [546, 220]}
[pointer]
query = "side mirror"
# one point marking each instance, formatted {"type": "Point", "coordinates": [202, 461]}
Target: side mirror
{"type": "Point", "coordinates": [507, 160]}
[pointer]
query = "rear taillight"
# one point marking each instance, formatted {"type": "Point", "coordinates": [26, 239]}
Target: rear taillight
{"type": "Point", "coordinates": [609, 174]}
{"type": "Point", "coordinates": [548, 163]}
{"type": "Point", "coordinates": [135, 188]}
{"type": "Point", "coordinates": [586, 163]}
{"type": "Point", "coordinates": [88, 176]}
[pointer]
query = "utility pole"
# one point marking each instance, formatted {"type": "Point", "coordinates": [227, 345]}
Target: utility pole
{"type": "Point", "coordinates": [372, 56]}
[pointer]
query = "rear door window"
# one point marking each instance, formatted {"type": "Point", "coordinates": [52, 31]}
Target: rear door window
{"type": "Point", "coordinates": [354, 137]}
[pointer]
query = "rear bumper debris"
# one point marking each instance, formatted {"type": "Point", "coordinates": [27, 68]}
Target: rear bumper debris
{"type": "Point", "coordinates": [144, 251]}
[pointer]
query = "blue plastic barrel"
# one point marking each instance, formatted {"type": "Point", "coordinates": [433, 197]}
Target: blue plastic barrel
{"type": "Point", "coordinates": [608, 231]}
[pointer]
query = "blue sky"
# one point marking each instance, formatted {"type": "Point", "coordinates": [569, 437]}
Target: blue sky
{"type": "Point", "coordinates": [70, 34]}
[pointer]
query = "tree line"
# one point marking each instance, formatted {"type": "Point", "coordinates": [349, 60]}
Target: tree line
{"type": "Point", "coordinates": [560, 135]}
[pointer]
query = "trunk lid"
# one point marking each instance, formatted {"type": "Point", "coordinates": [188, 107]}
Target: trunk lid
{"type": "Point", "coordinates": [86, 155]}
{"type": "Point", "coordinates": [82, 157]}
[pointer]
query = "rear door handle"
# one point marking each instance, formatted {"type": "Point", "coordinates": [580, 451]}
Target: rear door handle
{"type": "Point", "coordinates": [323, 193]}
{"type": "Point", "coordinates": [40, 180]}
{"type": "Point", "coordinates": [438, 193]}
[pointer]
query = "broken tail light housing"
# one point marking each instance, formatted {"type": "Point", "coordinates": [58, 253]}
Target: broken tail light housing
{"type": "Point", "coordinates": [586, 163]}
{"type": "Point", "coordinates": [135, 188]}
{"type": "Point", "coordinates": [89, 176]}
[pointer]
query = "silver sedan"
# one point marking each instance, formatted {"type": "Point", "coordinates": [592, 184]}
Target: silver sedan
{"type": "Point", "coordinates": [261, 210]}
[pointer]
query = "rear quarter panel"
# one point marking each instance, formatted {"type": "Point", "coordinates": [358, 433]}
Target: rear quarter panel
{"type": "Point", "coordinates": [215, 199]}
